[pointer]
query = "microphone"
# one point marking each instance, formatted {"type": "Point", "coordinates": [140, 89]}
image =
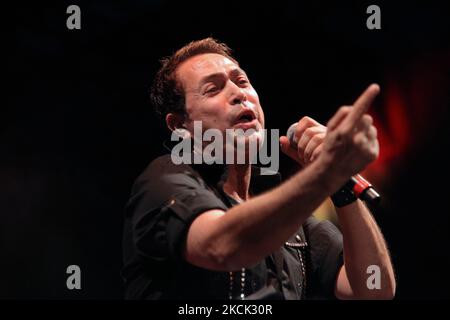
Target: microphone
{"type": "Point", "coordinates": [357, 185]}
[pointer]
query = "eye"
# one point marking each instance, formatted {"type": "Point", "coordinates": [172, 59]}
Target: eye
{"type": "Point", "coordinates": [211, 89]}
{"type": "Point", "coordinates": [242, 81]}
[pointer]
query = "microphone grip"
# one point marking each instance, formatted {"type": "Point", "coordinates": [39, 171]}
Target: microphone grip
{"type": "Point", "coordinates": [357, 186]}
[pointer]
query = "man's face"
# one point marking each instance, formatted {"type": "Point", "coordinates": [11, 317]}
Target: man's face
{"type": "Point", "coordinates": [219, 93]}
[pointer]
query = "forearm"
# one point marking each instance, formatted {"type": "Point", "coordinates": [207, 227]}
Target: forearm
{"type": "Point", "coordinates": [250, 231]}
{"type": "Point", "coordinates": [365, 246]}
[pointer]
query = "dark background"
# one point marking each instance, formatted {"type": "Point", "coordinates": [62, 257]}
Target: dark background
{"type": "Point", "coordinates": [77, 127]}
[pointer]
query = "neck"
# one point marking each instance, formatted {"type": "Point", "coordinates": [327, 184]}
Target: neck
{"type": "Point", "coordinates": [237, 182]}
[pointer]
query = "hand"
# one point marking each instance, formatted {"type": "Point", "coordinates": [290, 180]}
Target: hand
{"type": "Point", "coordinates": [351, 141]}
{"type": "Point", "coordinates": [309, 135]}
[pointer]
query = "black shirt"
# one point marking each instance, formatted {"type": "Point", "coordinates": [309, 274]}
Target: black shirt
{"type": "Point", "coordinates": [166, 198]}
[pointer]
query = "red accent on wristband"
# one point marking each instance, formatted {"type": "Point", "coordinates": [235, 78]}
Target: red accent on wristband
{"type": "Point", "coordinates": [362, 185]}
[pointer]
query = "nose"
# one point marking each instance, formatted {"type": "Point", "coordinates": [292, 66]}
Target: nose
{"type": "Point", "coordinates": [238, 96]}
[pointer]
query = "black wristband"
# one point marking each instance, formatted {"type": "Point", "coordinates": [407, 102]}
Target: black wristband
{"type": "Point", "coordinates": [344, 196]}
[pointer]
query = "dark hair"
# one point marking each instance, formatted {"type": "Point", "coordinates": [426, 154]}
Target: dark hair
{"type": "Point", "coordinates": [166, 93]}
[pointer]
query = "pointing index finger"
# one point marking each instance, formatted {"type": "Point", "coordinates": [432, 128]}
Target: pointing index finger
{"type": "Point", "coordinates": [361, 105]}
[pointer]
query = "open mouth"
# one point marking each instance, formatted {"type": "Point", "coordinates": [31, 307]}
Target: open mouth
{"type": "Point", "coordinates": [245, 117]}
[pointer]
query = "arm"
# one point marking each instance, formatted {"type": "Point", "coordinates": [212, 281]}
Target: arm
{"type": "Point", "coordinates": [363, 242]}
{"type": "Point", "coordinates": [247, 233]}
{"type": "Point", "coordinates": [364, 245]}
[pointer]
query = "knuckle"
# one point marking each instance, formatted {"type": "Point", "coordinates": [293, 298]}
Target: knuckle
{"type": "Point", "coordinates": [360, 141]}
{"type": "Point", "coordinates": [344, 109]}
{"type": "Point", "coordinates": [373, 155]}
{"type": "Point", "coordinates": [374, 131]}
{"type": "Point", "coordinates": [317, 138]}
{"type": "Point", "coordinates": [302, 120]}
{"type": "Point", "coordinates": [306, 118]}
{"type": "Point", "coordinates": [310, 132]}
{"type": "Point", "coordinates": [305, 121]}
{"type": "Point", "coordinates": [368, 120]}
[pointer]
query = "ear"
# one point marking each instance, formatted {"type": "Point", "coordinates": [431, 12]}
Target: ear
{"type": "Point", "coordinates": [175, 121]}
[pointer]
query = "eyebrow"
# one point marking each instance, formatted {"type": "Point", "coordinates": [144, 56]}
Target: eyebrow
{"type": "Point", "coordinates": [233, 73]}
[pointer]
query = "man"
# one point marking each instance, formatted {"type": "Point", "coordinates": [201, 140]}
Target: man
{"type": "Point", "coordinates": [226, 232]}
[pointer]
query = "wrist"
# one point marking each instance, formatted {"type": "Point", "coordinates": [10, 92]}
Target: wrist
{"type": "Point", "coordinates": [331, 178]}
{"type": "Point", "coordinates": [326, 177]}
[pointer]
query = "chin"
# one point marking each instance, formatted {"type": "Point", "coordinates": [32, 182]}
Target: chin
{"type": "Point", "coordinates": [248, 146]}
